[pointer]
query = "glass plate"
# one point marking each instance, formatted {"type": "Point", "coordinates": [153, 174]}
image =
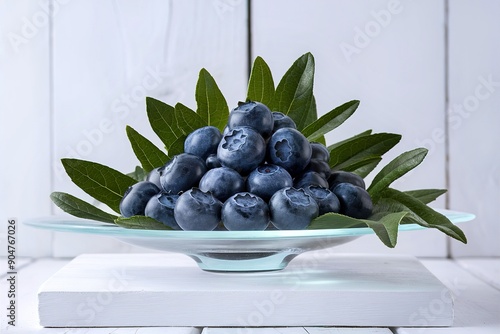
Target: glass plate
{"type": "Point", "coordinates": [228, 250]}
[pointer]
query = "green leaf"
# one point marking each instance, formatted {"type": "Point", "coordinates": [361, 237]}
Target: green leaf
{"type": "Point", "coordinates": [364, 167]}
{"type": "Point", "coordinates": [177, 146]}
{"type": "Point", "coordinates": [163, 122]}
{"type": "Point", "coordinates": [146, 152]}
{"type": "Point", "coordinates": [342, 142]}
{"type": "Point", "coordinates": [79, 208]}
{"type": "Point", "coordinates": [426, 195]}
{"type": "Point", "coordinates": [187, 119]}
{"type": "Point", "coordinates": [139, 174]}
{"type": "Point", "coordinates": [212, 106]}
{"type": "Point", "coordinates": [294, 93]}
{"type": "Point", "coordinates": [422, 214]}
{"type": "Point", "coordinates": [387, 227]}
{"type": "Point", "coordinates": [330, 120]}
{"type": "Point", "coordinates": [398, 167]}
{"type": "Point", "coordinates": [101, 182]}
{"type": "Point", "coordinates": [333, 220]}
{"type": "Point", "coordinates": [312, 115]}
{"type": "Point", "coordinates": [260, 84]}
{"type": "Point", "coordinates": [359, 148]}
{"type": "Point", "coordinates": [141, 223]}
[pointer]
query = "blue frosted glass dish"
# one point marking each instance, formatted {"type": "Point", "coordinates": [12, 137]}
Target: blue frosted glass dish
{"type": "Point", "coordinates": [228, 250]}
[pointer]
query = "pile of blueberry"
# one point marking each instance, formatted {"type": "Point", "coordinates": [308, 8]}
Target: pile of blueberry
{"type": "Point", "coordinates": [260, 173]}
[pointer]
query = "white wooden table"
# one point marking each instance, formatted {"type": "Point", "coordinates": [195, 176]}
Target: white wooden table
{"type": "Point", "coordinates": [475, 283]}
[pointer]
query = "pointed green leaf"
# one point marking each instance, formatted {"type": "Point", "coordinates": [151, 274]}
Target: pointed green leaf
{"type": "Point", "coordinates": [364, 167]}
{"type": "Point", "coordinates": [312, 115]}
{"type": "Point", "coordinates": [387, 227]}
{"type": "Point", "coordinates": [422, 214]}
{"type": "Point", "coordinates": [187, 119]}
{"type": "Point", "coordinates": [342, 142]}
{"type": "Point", "coordinates": [162, 120]}
{"type": "Point", "coordinates": [212, 106]}
{"type": "Point", "coordinates": [141, 223]}
{"type": "Point", "coordinates": [146, 152]}
{"type": "Point", "coordinates": [101, 182]}
{"type": "Point", "coordinates": [426, 195]}
{"type": "Point", "coordinates": [139, 174]}
{"type": "Point", "coordinates": [260, 84]}
{"type": "Point", "coordinates": [177, 146]}
{"type": "Point", "coordinates": [79, 208]}
{"type": "Point", "coordinates": [330, 120]}
{"type": "Point", "coordinates": [333, 220]}
{"type": "Point", "coordinates": [398, 167]}
{"type": "Point", "coordinates": [294, 93]}
{"type": "Point", "coordinates": [357, 149]}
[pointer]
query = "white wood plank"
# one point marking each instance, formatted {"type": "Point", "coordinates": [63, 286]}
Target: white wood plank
{"type": "Point", "coordinates": [25, 145]}
{"type": "Point", "coordinates": [170, 290]}
{"type": "Point", "coordinates": [131, 49]}
{"type": "Point", "coordinates": [397, 74]}
{"type": "Point", "coordinates": [21, 262]}
{"type": "Point", "coordinates": [473, 120]}
{"type": "Point", "coordinates": [486, 269]}
{"type": "Point", "coordinates": [296, 330]}
{"type": "Point", "coordinates": [476, 304]}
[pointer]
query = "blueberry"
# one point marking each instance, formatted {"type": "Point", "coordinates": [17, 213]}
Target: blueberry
{"type": "Point", "coordinates": [245, 212]}
{"type": "Point", "coordinates": [212, 161]}
{"type": "Point", "coordinates": [320, 167]}
{"type": "Point", "coordinates": [196, 210]}
{"type": "Point", "coordinates": [354, 201]}
{"type": "Point", "coordinates": [292, 209]}
{"type": "Point", "coordinates": [309, 179]}
{"type": "Point", "coordinates": [161, 207]}
{"type": "Point", "coordinates": [265, 180]}
{"type": "Point", "coordinates": [222, 182]}
{"type": "Point", "coordinates": [327, 201]}
{"type": "Point", "coordinates": [203, 141]}
{"type": "Point", "coordinates": [183, 172]}
{"type": "Point", "coordinates": [136, 198]}
{"type": "Point", "coordinates": [320, 152]}
{"type": "Point", "coordinates": [154, 176]}
{"type": "Point", "coordinates": [242, 149]}
{"type": "Point", "coordinates": [289, 149]}
{"type": "Point", "coordinates": [340, 176]}
{"type": "Point", "coordinates": [282, 121]}
{"type": "Point", "coordinates": [252, 114]}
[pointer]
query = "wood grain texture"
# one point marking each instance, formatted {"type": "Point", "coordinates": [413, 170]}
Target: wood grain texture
{"type": "Point", "coordinates": [25, 147]}
{"type": "Point", "coordinates": [486, 269]}
{"type": "Point", "coordinates": [394, 65]}
{"type": "Point", "coordinates": [474, 121]}
{"type": "Point", "coordinates": [104, 70]}
{"type": "Point", "coordinates": [110, 290]}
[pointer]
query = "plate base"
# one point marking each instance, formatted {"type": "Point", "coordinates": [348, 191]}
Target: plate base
{"type": "Point", "coordinates": [316, 289]}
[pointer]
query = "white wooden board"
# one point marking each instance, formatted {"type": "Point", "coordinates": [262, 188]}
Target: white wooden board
{"type": "Point", "coordinates": [296, 330]}
{"type": "Point", "coordinates": [486, 269]}
{"type": "Point", "coordinates": [170, 290]}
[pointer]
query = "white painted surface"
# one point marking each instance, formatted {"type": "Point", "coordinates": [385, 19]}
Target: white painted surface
{"type": "Point", "coordinates": [170, 290]}
{"type": "Point", "coordinates": [297, 330]}
{"type": "Point", "coordinates": [486, 269]}
{"type": "Point", "coordinates": [474, 122]}
{"type": "Point", "coordinates": [25, 122]}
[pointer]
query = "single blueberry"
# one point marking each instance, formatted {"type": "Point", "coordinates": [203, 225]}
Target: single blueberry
{"type": "Point", "coordinates": [196, 210]}
{"type": "Point", "coordinates": [242, 149]}
{"type": "Point", "coordinates": [320, 152]}
{"type": "Point", "coordinates": [212, 161]}
{"type": "Point", "coordinates": [267, 179]}
{"type": "Point", "coordinates": [354, 201]}
{"type": "Point", "coordinates": [154, 176]}
{"type": "Point", "coordinates": [282, 121]}
{"type": "Point", "coordinates": [161, 207]}
{"type": "Point", "coordinates": [252, 114]}
{"type": "Point", "coordinates": [289, 149]}
{"type": "Point", "coordinates": [222, 182]}
{"type": "Point", "coordinates": [292, 209]}
{"type": "Point", "coordinates": [245, 212]}
{"type": "Point", "coordinates": [136, 198]}
{"type": "Point", "coordinates": [203, 141]}
{"type": "Point", "coordinates": [309, 179]}
{"type": "Point", "coordinates": [327, 201]}
{"type": "Point", "coordinates": [340, 176]}
{"type": "Point", "coordinates": [183, 172]}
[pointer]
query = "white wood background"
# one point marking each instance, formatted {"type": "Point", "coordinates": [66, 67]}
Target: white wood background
{"type": "Point", "coordinates": [72, 80]}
